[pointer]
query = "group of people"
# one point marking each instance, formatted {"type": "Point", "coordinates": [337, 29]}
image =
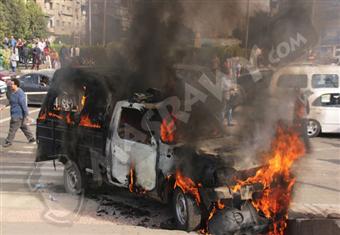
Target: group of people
{"type": "Point", "coordinates": [40, 53]}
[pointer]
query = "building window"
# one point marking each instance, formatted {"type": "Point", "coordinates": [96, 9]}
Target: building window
{"type": "Point", "coordinates": [50, 23]}
{"type": "Point", "coordinates": [58, 23]}
{"type": "Point", "coordinates": [63, 23]}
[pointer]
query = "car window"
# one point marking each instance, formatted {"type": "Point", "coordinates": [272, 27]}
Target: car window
{"type": "Point", "coordinates": [31, 79]}
{"type": "Point", "coordinates": [325, 81]}
{"type": "Point", "coordinates": [292, 81]}
{"type": "Point", "coordinates": [130, 126]}
{"type": "Point", "coordinates": [328, 100]}
{"type": "Point", "coordinates": [44, 80]}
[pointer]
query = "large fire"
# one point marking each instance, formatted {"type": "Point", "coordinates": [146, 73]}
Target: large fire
{"type": "Point", "coordinates": [277, 179]}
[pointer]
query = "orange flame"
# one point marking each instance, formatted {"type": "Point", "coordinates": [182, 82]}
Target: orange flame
{"type": "Point", "coordinates": [42, 116]}
{"type": "Point", "coordinates": [132, 186]}
{"type": "Point", "coordinates": [54, 115]}
{"type": "Point", "coordinates": [132, 172]}
{"type": "Point", "coordinates": [168, 129]}
{"type": "Point", "coordinates": [68, 119]}
{"type": "Point", "coordinates": [86, 121]}
{"type": "Point", "coordinates": [277, 179]}
{"type": "Point", "coordinates": [188, 186]}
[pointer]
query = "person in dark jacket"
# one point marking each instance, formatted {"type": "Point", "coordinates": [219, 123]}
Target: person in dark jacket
{"type": "Point", "coordinates": [25, 54]}
{"type": "Point", "coordinates": [64, 56]}
{"type": "Point", "coordinates": [19, 114]}
{"type": "Point", "coordinates": [231, 100]}
{"type": "Point", "coordinates": [36, 53]}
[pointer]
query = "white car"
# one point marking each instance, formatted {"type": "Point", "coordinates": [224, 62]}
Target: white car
{"type": "Point", "coordinates": [324, 114]}
{"type": "Point", "coordinates": [3, 87]}
{"type": "Point", "coordinates": [309, 78]}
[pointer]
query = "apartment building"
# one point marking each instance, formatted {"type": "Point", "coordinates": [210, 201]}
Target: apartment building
{"type": "Point", "coordinates": [65, 17]}
{"type": "Point", "coordinates": [108, 20]}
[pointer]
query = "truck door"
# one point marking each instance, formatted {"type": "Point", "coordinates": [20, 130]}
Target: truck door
{"type": "Point", "coordinates": [132, 148]}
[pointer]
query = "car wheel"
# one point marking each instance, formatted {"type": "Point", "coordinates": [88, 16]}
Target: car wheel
{"type": "Point", "coordinates": [313, 128]}
{"type": "Point", "coordinates": [73, 179]}
{"type": "Point", "coordinates": [187, 214]}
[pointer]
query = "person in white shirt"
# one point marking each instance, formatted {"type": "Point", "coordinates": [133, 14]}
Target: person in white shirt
{"type": "Point", "coordinates": [14, 58]}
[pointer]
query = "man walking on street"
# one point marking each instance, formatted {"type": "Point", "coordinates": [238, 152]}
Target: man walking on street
{"type": "Point", "coordinates": [19, 114]}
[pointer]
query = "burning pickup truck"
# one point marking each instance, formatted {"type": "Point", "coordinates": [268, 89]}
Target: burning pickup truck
{"type": "Point", "coordinates": [139, 143]}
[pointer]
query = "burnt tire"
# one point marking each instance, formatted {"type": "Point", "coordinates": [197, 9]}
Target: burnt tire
{"type": "Point", "coordinates": [74, 180]}
{"type": "Point", "coordinates": [187, 214]}
{"type": "Point", "coordinates": [313, 128]}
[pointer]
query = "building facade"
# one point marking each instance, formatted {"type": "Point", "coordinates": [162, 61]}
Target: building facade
{"type": "Point", "coordinates": [65, 18]}
{"type": "Point", "coordinates": [108, 20]}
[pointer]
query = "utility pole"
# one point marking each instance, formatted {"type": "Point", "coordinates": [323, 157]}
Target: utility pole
{"type": "Point", "coordinates": [313, 12]}
{"type": "Point", "coordinates": [90, 22]}
{"type": "Point", "coordinates": [104, 25]}
{"type": "Point", "coordinates": [247, 26]}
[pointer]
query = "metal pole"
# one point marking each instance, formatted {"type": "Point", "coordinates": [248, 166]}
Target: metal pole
{"type": "Point", "coordinates": [247, 26]}
{"type": "Point", "coordinates": [90, 22]}
{"type": "Point", "coordinates": [104, 25]}
{"type": "Point", "coordinates": [313, 12]}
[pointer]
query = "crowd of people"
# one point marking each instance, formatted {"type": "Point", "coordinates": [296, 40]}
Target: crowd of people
{"type": "Point", "coordinates": [37, 52]}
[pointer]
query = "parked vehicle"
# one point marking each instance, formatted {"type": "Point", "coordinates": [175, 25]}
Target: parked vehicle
{"type": "Point", "coordinates": [324, 115]}
{"type": "Point", "coordinates": [6, 75]}
{"type": "Point", "coordinates": [132, 144]}
{"type": "Point", "coordinates": [36, 85]}
{"type": "Point", "coordinates": [3, 87]}
{"type": "Point", "coordinates": [308, 77]}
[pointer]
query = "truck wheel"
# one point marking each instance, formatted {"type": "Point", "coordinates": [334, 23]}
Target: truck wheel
{"type": "Point", "coordinates": [313, 128]}
{"type": "Point", "coordinates": [187, 214]}
{"type": "Point", "coordinates": [73, 179]}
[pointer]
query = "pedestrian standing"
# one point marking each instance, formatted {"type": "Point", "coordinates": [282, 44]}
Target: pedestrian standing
{"type": "Point", "coordinates": [36, 53]}
{"type": "Point", "coordinates": [20, 44]}
{"type": "Point", "coordinates": [13, 42]}
{"type": "Point", "coordinates": [230, 104]}
{"type": "Point", "coordinates": [55, 59]}
{"type": "Point", "coordinates": [47, 56]}
{"type": "Point", "coordinates": [19, 114]}
{"type": "Point", "coordinates": [14, 58]}
{"type": "Point", "coordinates": [25, 53]}
{"type": "Point", "coordinates": [6, 42]}
{"type": "Point", "coordinates": [64, 56]}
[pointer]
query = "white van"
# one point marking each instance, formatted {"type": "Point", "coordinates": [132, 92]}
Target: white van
{"type": "Point", "coordinates": [324, 114]}
{"type": "Point", "coordinates": [308, 77]}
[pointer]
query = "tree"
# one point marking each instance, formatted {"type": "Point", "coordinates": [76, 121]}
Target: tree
{"type": "Point", "coordinates": [23, 20]}
{"type": "Point", "coordinates": [37, 22]}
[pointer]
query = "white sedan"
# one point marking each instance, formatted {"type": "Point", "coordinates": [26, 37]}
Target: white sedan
{"type": "Point", "coordinates": [324, 115]}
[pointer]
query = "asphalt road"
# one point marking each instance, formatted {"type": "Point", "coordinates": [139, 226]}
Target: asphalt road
{"type": "Point", "coordinates": [33, 200]}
